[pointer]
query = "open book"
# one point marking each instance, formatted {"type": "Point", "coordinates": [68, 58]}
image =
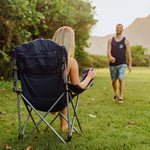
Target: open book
{"type": "Point", "coordinates": [83, 76]}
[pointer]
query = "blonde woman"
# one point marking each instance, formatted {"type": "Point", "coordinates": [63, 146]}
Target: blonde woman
{"type": "Point", "coordinates": [65, 36]}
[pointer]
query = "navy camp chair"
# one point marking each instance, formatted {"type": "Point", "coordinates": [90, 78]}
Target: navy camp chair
{"type": "Point", "coordinates": [41, 67]}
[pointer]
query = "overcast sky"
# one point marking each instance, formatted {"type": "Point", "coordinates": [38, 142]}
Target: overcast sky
{"type": "Point", "coordinates": [111, 12]}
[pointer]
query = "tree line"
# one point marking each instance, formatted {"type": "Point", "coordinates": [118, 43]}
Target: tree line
{"type": "Point", "coordinates": [26, 20]}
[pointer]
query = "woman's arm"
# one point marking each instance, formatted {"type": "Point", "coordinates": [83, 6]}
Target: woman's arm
{"type": "Point", "coordinates": [74, 74]}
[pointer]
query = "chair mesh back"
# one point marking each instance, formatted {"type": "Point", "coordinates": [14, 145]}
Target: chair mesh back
{"type": "Point", "coordinates": [41, 66]}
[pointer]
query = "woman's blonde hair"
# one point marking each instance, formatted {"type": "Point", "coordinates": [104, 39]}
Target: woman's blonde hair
{"type": "Point", "coordinates": [64, 36]}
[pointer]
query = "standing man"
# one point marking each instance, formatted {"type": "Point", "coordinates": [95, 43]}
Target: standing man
{"type": "Point", "coordinates": [117, 48]}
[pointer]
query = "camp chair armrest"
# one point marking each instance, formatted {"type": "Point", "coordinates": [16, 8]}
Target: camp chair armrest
{"type": "Point", "coordinates": [75, 88]}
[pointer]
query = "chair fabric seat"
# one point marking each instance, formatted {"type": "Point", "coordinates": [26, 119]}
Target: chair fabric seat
{"type": "Point", "coordinates": [41, 65]}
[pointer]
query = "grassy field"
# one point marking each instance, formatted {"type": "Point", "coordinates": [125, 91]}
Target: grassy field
{"type": "Point", "coordinates": [114, 127]}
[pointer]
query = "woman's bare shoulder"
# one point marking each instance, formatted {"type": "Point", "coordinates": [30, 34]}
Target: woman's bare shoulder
{"type": "Point", "coordinates": [72, 61]}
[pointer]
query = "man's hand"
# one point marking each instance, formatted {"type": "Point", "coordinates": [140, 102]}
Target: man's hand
{"type": "Point", "coordinates": [130, 68]}
{"type": "Point", "coordinates": [112, 59]}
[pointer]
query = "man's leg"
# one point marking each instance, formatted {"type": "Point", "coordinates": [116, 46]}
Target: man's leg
{"type": "Point", "coordinates": [122, 70]}
{"type": "Point", "coordinates": [121, 88]}
{"type": "Point", "coordinates": [114, 76]}
{"type": "Point", "coordinates": [114, 85]}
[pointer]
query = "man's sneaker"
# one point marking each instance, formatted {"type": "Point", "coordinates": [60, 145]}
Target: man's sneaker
{"type": "Point", "coordinates": [115, 97]}
{"type": "Point", "coordinates": [121, 101]}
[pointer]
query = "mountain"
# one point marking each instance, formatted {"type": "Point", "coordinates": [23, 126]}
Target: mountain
{"type": "Point", "coordinates": [138, 33]}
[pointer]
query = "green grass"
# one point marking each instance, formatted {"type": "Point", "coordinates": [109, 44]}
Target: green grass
{"type": "Point", "coordinates": [109, 130]}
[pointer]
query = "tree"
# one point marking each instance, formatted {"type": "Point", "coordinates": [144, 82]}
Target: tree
{"type": "Point", "coordinates": [25, 20]}
{"type": "Point", "coordinates": [17, 16]}
{"type": "Point", "coordinates": [78, 14]}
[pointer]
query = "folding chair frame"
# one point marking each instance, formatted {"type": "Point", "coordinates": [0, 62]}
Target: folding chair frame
{"type": "Point", "coordinates": [28, 104]}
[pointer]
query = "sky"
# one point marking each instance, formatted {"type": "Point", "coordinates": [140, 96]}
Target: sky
{"type": "Point", "coordinates": [111, 12]}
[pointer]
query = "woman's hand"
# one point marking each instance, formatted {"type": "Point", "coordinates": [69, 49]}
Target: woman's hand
{"type": "Point", "coordinates": [91, 74]}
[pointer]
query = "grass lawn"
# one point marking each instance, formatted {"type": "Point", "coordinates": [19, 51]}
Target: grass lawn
{"type": "Point", "coordinates": [114, 127]}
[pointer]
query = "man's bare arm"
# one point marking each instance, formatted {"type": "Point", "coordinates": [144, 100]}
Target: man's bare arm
{"type": "Point", "coordinates": [129, 55]}
{"type": "Point", "coordinates": [112, 59]}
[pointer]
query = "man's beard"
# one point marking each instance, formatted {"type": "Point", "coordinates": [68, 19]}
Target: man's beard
{"type": "Point", "coordinates": [119, 33]}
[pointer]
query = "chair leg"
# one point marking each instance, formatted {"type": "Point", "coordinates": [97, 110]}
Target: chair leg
{"type": "Point", "coordinates": [68, 116]}
{"type": "Point", "coordinates": [67, 121]}
{"type": "Point", "coordinates": [19, 119]}
{"type": "Point", "coordinates": [69, 138]}
{"type": "Point", "coordinates": [30, 115]}
{"type": "Point", "coordinates": [52, 121]}
{"type": "Point", "coordinates": [75, 114]}
{"type": "Point", "coordinates": [43, 119]}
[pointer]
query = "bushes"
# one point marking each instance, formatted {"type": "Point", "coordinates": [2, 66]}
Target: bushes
{"type": "Point", "coordinates": [89, 60]}
{"type": "Point", "coordinates": [26, 20]}
{"type": "Point", "coordinates": [139, 61]}
{"type": "Point", "coordinates": [100, 61]}
{"type": "Point", "coordinates": [96, 61]}
{"type": "Point", "coordinates": [5, 66]}
{"type": "Point", "coordinates": [138, 56]}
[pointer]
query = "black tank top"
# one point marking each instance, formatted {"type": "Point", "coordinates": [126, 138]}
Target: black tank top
{"type": "Point", "coordinates": [118, 50]}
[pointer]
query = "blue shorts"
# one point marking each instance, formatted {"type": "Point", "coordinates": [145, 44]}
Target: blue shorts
{"type": "Point", "coordinates": [117, 72]}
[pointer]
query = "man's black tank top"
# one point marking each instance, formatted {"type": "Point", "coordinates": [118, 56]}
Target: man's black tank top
{"type": "Point", "coordinates": [118, 50]}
